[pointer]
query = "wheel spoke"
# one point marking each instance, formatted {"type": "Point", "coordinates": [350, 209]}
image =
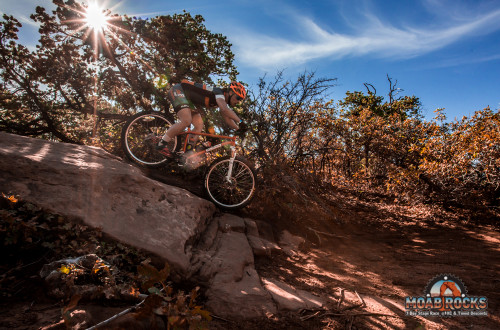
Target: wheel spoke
{"type": "Point", "coordinates": [235, 192]}
{"type": "Point", "coordinates": [141, 137]}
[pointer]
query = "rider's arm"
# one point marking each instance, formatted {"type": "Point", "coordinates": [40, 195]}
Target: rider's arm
{"type": "Point", "coordinates": [229, 115]}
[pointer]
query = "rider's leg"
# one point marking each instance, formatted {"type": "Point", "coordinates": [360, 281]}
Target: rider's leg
{"type": "Point", "coordinates": [197, 121]}
{"type": "Point", "coordinates": [184, 122]}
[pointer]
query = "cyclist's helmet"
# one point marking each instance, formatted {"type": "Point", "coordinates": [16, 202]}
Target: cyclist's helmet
{"type": "Point", "coordinates": [238, 89]}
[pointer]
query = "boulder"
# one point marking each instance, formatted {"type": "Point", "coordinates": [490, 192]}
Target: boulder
{"type": "Point", "coordinates": [90, 185]}
{"type": "Point", "coordinates": [289, 298]}
{"type": "Point", "coordinates": [290, 244]}
{"type": "Point", "coordinates": [93, 186]}
{"type": "Point", "coordinates": [260, 246]}
{"type": "Point", "coordinates": [225, 262]}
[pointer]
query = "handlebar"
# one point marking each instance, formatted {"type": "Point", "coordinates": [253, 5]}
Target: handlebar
{"type": "Point", "coordinates": [242, 130]}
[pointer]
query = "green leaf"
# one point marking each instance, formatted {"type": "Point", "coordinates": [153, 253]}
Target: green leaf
{"type": "Point", "coordinates": [161, 81]}
{"type": "Point", "coordinates": [154, 290]}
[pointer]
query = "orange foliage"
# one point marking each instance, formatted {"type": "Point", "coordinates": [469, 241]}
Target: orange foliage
{"type": "Point", "coordinates": [366, 144]}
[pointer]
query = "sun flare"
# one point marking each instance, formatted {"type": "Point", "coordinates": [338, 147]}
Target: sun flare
{"type": "Point", "coordinates": [95, 17]}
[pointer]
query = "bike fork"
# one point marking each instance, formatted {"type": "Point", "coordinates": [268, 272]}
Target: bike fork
{"type": "Point", "coordinates": [231, 162]}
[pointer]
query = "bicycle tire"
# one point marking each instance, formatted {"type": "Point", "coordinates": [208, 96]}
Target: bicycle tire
{"type": "Point", "coordinates": [140, 136]}
{"type": "Point", "coordinates": [235, 194]}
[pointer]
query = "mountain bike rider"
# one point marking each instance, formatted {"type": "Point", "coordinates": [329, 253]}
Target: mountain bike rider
{"type": "Point", "coordinates": [189, 98]}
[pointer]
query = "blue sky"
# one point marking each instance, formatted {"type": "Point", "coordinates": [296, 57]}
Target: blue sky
{"type": "Point", "coordinates": [446, 52]}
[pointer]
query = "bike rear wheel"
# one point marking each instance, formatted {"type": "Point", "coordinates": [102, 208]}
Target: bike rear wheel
{"type": "Point", "coordinates": [234, 192]}
{"type": "Point", "coordinates": [141, 135]}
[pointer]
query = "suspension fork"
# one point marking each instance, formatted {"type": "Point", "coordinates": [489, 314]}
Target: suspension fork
{"type": "Point", "coordinates": [231, 162]}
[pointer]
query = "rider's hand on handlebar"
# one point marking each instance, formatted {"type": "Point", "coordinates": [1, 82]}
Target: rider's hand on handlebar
{"type": "Point", "coordinates": [242, 127]}
{"type": "Point", "coordinates": [241, 131]}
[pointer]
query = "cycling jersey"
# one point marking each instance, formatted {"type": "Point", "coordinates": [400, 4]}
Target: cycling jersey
{"type": "Point", "coordinates": [192, 95]}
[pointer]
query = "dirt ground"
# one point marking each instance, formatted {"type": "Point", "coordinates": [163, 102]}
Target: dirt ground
{"type": "Point", "coordinates": [385, 265]}
{"type": "Point", "coordinates": [376, 253]}
{"type": "Point", "coordinates": [364, 254]}
{"type": "Point", "coordinates": [363, 265]}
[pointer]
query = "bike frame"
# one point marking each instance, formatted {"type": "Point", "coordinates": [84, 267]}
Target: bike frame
{"type": "Point", "coordinates": [230, 140]}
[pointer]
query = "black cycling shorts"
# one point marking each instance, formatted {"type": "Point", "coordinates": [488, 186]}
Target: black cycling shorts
{"type": "Point", "coordinates": [178, 99]}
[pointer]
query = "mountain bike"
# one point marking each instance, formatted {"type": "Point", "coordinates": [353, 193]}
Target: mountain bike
{"type": "Point", "coordinates": [230, 181]}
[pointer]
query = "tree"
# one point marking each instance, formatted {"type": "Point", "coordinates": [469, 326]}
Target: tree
{"type": "Point", "coordinates": [26, 105]}
{"type": "Point", "coordinates": [403, 106]}
{"type": "Point", "coordinates": [53, 90]}
{"type": "Point", "coordinates": [380, 132]}
{"type": "Point", "coordinates": [460, 160]}
{"type": "Point", "coordinates": [284, 115]}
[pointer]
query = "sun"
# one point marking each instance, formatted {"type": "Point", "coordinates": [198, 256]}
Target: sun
{"type": "Point", "coordinates": [95, 17]}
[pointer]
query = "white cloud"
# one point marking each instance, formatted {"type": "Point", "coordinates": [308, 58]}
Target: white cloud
{"type": "Point", "coordinates": [372, 37]}
{"type": "Point", "coordinates": [459, 61]}
{"type": "Point", "coordinates": [25, 20]}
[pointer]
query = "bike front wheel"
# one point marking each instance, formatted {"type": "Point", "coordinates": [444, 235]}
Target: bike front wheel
{"type": "Point", "coordinates": [230, 192]}
{"type": "Point", "coordinates": [141, 135]}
